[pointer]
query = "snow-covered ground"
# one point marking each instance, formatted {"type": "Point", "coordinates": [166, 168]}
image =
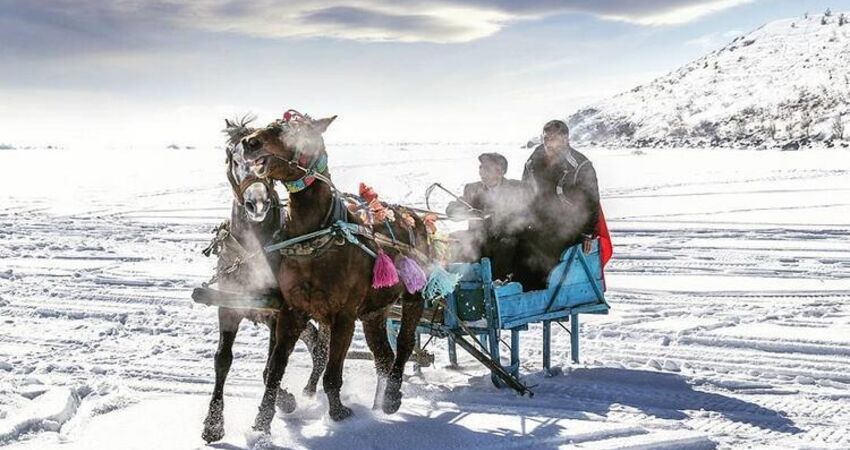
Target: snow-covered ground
{"type": "Point", "coordinates": [730, 326]}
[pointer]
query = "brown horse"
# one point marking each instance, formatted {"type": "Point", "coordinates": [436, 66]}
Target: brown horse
{"type": "Point", "coordinates": [254, 219]}
{"type": "Point", "coordinates": [333, 287]}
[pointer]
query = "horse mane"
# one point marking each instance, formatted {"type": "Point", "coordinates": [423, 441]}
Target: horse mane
{"type": "Point", "coordinates": [237, 127]}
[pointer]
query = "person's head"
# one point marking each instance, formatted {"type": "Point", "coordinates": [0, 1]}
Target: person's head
{"type": "Point", "coordinates": [556, 136]}
{"type": "Point", "coordinates": [492, 168]}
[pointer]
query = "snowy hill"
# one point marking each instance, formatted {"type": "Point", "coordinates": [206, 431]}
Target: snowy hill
{"type": "Point", "coordinates": [785, 84]}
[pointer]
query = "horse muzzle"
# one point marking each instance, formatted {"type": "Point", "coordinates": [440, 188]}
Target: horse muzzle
{"type": "Point", "coordinates": [260, 167]}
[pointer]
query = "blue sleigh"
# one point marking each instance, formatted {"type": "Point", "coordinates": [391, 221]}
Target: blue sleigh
{"type": "Point", "coordinates": [480, 310]}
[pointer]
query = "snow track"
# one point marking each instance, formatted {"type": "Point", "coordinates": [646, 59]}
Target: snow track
{"type": "Point", "coordinates": [725, 331]}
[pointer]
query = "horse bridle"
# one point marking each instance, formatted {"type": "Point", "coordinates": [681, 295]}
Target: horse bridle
{"type": "Point", "coordinates": [313, 166]}
{"type": "Point", "coordinates": [240, 188]}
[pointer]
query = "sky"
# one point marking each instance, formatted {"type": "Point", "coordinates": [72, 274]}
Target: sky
{"type": "Point", "coordinates": [131, 74]}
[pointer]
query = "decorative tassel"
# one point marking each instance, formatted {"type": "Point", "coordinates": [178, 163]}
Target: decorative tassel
{"type": "Point", "coordinates": [440, 283]}
{"type": "Point", "coordinates": [379, 211]}
{"type": "Point", "coordinates": [407, 221]}
{"type": "Point", "coordinates": [430, 223]}
{"type": "Point", "coordinates": [411, 274]}
{"type": "Point", "coordinates": [367, 193]}
{"type": "Point", "coordinates": [383, 273]}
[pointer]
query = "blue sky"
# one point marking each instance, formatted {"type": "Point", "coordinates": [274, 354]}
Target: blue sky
{"type": "Point", "coordinates": [130, 74]}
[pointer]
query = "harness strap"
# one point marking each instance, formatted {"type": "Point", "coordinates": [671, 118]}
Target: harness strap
{"type": "Point", "coordinates": [349, 236]}
{"type": "Point", "coordinates": [304, 237]}
{"type": "Point", "coordinates": [350, 231]}
{"type": "Point", "coordinates": [389, 229]}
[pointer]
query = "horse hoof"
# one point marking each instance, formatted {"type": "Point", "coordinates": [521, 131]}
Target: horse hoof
{"type": "Point", "coordinates": [263, 422]}
{"type": "Point", "coordinates": [392, 395]}
{"type": "Point", "coordinates": [340, 413]}
{"type": "Point", "coordinates": [392, 400]}
{"type": "Point", "coordinates": [265, 428]}
{"type": "Point", "coordinates": [309, 391]}
{"type": "Point", "coordinates": [213, 433]}
{"type": "Point", "coordinates": [391, 406]}
{"type": "Point", "coordinates": [214, 423]}
{"type": "Point", "coordinates": [286, 402]}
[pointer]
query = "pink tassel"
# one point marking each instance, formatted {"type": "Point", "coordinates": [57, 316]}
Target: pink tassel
{"type": "Point", "coordinates": [383, 273]}
{"type": "Point", "coordinates": [411, 274]}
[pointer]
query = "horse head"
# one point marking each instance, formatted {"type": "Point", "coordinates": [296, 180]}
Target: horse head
{"type": "Point", "coordinates": [254, 194]}
{"type": "Point", "coordinates": [291, 150]}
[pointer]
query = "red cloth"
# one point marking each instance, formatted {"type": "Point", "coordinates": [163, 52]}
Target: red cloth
{"type": "Point", "coordinates": [606, 249]}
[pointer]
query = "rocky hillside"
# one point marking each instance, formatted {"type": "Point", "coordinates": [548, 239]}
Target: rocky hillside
{"type": "Point", "coordinates": [786, 85]}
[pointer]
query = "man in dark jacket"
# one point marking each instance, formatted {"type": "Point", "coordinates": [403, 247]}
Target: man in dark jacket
{"type": "Point", "coordinates": [494, 208]}
{"type": "Point", "coordinates": [565, 203]}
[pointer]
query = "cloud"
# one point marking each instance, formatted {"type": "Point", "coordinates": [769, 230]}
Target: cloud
{"type": "Point", "coordinates": [350, 22]}
{"type": "Point", "coordinates": [642, 12]}
{"type": "Point", "coordinates": [86, 25]}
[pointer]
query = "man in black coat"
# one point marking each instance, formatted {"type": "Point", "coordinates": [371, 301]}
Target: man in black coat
{"type": "Point", "coordinates": [494, 208]}
{"type": "Point", "coordinates": [565, 205]}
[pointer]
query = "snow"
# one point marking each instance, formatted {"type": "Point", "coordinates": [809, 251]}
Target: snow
{"type": "Point", "coordinates": [778, 77]}
{"type": "Point", "coordinates": [48, 411]}
{"type": "Point", "coordinates": [729, 327]}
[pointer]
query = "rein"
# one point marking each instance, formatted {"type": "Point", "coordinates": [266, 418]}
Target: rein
{"type": "Point", "coordinates": [349, 232]}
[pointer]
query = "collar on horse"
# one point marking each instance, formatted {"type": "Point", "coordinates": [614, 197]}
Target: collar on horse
{"type": "Point", "coordinates": [312, 167]}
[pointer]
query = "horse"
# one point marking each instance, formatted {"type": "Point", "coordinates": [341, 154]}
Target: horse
{"type": "Point", "coordinates": [332, 286]}
{"type": "Point", "coordinates": [254, 219]}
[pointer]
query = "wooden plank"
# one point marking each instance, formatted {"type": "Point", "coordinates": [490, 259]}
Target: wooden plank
{"type": "Point", "coordinates": [555, 315]}
{"type": "Point", "coordinates": [573, 282]}
{"type": "Point", "coordinates": [599, 308]}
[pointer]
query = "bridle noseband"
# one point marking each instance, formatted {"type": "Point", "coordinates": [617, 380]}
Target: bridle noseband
{"type": "Point", "coordinates": [240, 188]}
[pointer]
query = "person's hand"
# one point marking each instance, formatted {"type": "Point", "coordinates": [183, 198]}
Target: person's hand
{"type": "Point", "coordinates": [587, 245]}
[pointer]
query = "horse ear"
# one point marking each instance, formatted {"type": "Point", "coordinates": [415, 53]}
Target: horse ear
{"type": "Point", "coordinates": [322, 124]}
{"type": "Point", "coordinates": [228, 123]}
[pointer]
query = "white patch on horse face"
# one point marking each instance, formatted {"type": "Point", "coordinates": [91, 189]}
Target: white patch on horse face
{"type": "Point", "coordinates": [256, 197]}
{"type": "Point", "coordinates": [257, 202]}
{"type": "Point", "coordinates": [240, 169]}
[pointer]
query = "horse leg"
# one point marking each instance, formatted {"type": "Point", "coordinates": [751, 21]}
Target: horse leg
{"type": "Point", "coordinates": [285, 400]}
{"type": "Point", "coordinates": [317, 341]}
{"type": "Point", "coordinates": [375, 329]}
{"type": "Point", "coordinates": [342, 329]}
{"type": "Point", "coordinates": [228, 325]}
{"type": "Point", "coordinates": [271, 322]}
{"type": "Point", "coordinates": [289, 326]}
{"type": "Point", "coordinates": [411, 312]}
